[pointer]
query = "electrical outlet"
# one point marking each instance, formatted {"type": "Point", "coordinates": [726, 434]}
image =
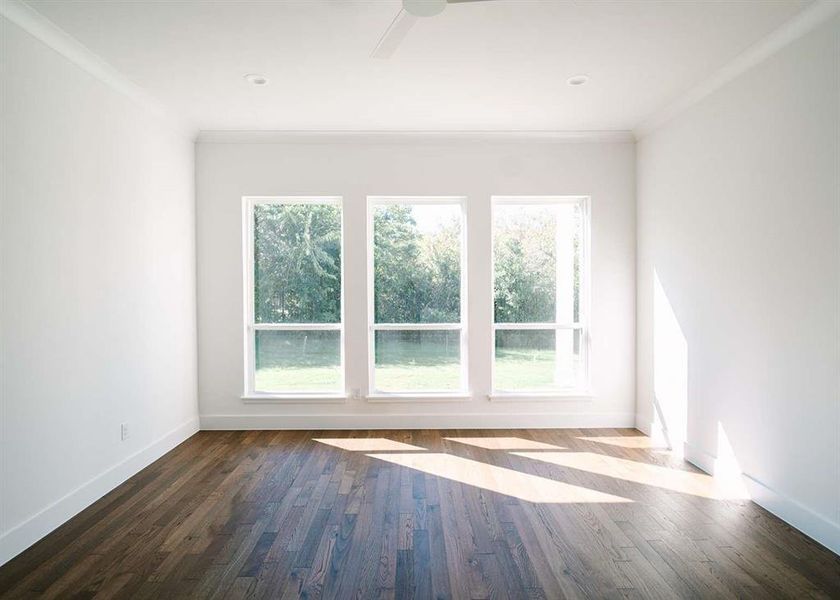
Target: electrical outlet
{"type": "Point", "coordinates": [123, 431]}
{"type": "Point", "coordinates": [356, 394]}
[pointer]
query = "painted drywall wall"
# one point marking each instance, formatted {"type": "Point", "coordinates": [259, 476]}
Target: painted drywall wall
{"type": "Point", "coordinates": [739, 281]}
{"type": "Point", "coordinates": [98, 288]}
{"type": "Point", "coordinates": [357, 166]}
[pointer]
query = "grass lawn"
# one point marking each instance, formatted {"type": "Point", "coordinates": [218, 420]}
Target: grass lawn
{"type": "Point", "coordinates": [286, 363]}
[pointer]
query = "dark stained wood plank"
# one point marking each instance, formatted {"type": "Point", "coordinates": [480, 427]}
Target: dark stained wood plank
{"type": "Point", "coordinates": [277, 514]}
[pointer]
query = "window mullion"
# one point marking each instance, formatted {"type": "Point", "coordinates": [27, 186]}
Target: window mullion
{"type": "Point", "coordinates": [296, 326]}
{"type": "Point", "coordinates": [535, 326]}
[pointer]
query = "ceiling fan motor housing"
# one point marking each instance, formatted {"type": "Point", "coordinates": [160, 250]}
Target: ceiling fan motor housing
{"type": "Point", "coordinates": [424, 8]}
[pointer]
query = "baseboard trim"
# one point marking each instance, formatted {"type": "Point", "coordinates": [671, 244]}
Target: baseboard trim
{"type": "Point", "coordinates": [419, 421]}
{"type": "Point", "coordinates": [791, 511]}
{"type": "Point", "coordinates": [23, 535]}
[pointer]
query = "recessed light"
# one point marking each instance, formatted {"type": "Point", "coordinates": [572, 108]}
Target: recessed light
{"type": "Point", "coordinates": [578, 80]}
{"type": "Point", "coordinates": [256, 79]}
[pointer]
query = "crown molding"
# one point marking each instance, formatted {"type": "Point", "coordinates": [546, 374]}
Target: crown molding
{"type": "Point", "coordinates": [801, 24]}
{"type": "Point", "coordinates": [407, 137]}
{"type": "Point", "coordinates": [47, 32]}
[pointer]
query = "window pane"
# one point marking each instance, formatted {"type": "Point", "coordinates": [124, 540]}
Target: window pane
{"type": "Point", "coordinates": [537, 263]}
{"type": "Point", "coordinates": [297, 361]}
{"type": "Point", "coordinates": [417, 263]}
{"type": "Point", "coordinates": [418, 361]}
{"type": "Point", "coordinates": [297, 263]}
{"type": "Point", "coordinates": [538, 360]}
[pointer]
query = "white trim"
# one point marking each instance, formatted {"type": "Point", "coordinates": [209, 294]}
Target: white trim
{"type": "Point", "coordinates": [292, 398]}
{"type": "Point", "coordinates": [700, 458]}
{"type": "Point", "coordinates": [535, 326]}
{"type": "Point", "coordinates": [540, 396]}
{"type": "Point", "coordinates": [416, 326]}
{"type": "Point", "coordinates": [286, 200]}
{"type": "Point", "coordinates": [400, 200]}
{"type": "Point", "coordinates": [23, 535]}
{"type": "Point", "coordinates": [804, 22]}
{"type": "Point", "coordinates": [296, 326]}
{"type": "Point", "coordinates": [418, 398]}
{"type": "Point", "coordinates": [251, 327]}
{"type": "Point", "coordinates": [538, 200]}
{"type": "Point", "coordinates": [47, 32]}
{"type": "Point", "coordinates": [406, 420]}
{"type": "Point", "coordinates": [816, 526]}
{"type": "Point", "coordinates": [407, 137]}
{"type": "Point", "coordinates": [792, 512]}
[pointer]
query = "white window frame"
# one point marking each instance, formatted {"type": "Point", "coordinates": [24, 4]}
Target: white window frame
{"type": "Point", "coordinates": [250, 324]}
{"type": "Point", "coordinates": [582, 390]}
{"type": "Point", "coordinates": [373, 394]}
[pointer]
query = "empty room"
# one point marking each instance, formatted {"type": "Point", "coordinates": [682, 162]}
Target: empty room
{"type": "Point", "coordinates": [435, 299]}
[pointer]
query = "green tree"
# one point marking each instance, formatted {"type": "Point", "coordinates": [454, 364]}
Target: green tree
{"type": "Point", "coordinates": [297, 263]}
{"type": "Point", "coordinates": [524, 271]}
{"type": "Point", "coordinates": [417, 276]}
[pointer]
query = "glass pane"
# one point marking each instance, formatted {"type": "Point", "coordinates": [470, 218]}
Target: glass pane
{"type": "Point", "coordinates": [288, 361]}
{"type": "Point", "coordinates": [417, 263]}
{"type": "Point", "coordinates": [410, 361]}
{"type": "Point", "coordinates": [297, 263]}
{"type": "Point", "coordinates": [535, 360]}
{"type": "Point", "coordinates": [537, 263]}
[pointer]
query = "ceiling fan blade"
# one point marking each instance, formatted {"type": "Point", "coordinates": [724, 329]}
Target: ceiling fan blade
{"type": "Point", "coordinates": [394, 35]}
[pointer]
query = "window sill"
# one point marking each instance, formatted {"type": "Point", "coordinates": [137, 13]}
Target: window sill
{"type": "Point", "coordinates": [416, 398]}
{"type": "Point", "coordinates": [564, 396]}
{"type": "Point", "coordinates": [295, 399]}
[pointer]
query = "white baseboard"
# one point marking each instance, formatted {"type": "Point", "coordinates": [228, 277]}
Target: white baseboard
{"type": "Point", "coordinates": [700, 458]}
{"type": "Point", "coordinates": [792, 512]}
{"type": "Point", "coordinates": [23, 535]}
{"type": "Point", "coordinates": [789, 510]}
{"type": "Point", "coordinates": [419, 421]}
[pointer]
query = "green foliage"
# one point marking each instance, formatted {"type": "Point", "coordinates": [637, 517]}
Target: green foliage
{"type": "Point", "coordinates": [297, 263]}
{"type": "Point", "coordinates": [417, 276]}
{"type": "Point", "coordinates": [524, 276]}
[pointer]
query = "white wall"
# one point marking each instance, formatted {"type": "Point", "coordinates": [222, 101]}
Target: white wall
{"type": "Point", "coordinates": [738, 203]}
{"type": "Point", "coordinates": [357, 166]}
{"type": "Point", "coordinates": [98, 288]}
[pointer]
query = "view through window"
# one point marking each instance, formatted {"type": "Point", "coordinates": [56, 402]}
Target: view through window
{"type": "Point", "coordinates": [539, 327]}
{"type": "Point", "coordinates": [295, 322]}
{"type": "Point", "coordinates": [417, 297]}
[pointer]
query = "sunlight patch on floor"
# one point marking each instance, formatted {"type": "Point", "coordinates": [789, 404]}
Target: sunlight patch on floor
{"type": "Point", "coordinates": [504, 443]}
{"type": "Point", "coordinates": [531, 488]}
{"type": "Point", "coordinates": [625, 441]}
{"type": "Point", "coordinates": [368, 444]}
{"type": "Point", "coordinates": [686, 482]}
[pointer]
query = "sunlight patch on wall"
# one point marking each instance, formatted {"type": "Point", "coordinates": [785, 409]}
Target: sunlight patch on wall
{"type": "Point", "coordinates": [727, 469]}
{"type": "Point", "coordinates": [686, 482]}
{"type": "Point", "coordinates": [504, 443]}
{"type": "Point", "coordinates": [670, 371]}
{"type": "Point", "coordinates": [531, 488]}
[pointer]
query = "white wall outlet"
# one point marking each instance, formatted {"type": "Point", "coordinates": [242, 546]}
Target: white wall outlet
{"type": "Point", "coordinates": [356, 394]}
{"type": "Point", "coordinates": [123, 431]}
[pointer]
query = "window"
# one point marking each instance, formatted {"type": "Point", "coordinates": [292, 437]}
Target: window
{"type": "Point", "coordinates": [294, 300]}
{"type": "Point", "coordinates": [539, 274]}
{"type": "Point", "coordinates": [417, 295]}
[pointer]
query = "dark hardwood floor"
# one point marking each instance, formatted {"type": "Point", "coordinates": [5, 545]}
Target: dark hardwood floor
{"type": "Point", "coordinates": [423, 514]}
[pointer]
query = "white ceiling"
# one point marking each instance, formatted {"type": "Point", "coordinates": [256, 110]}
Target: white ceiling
{"type": "Point", "coordinates": [496, 65]}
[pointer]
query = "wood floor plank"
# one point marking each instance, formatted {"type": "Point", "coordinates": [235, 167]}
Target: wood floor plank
{"type": "Point", "coordinates": [280, 514]}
